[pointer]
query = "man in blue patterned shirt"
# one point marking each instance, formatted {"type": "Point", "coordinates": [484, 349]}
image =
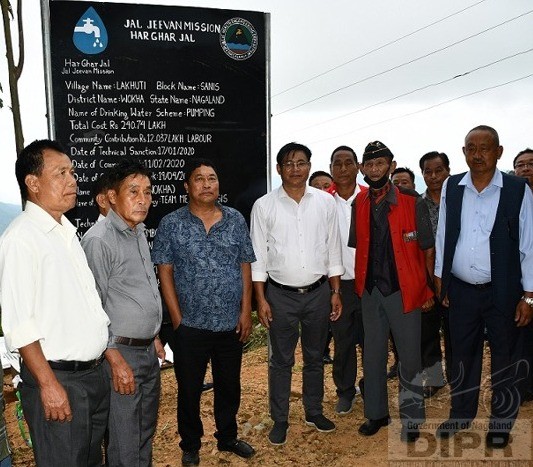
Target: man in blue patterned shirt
{"type": "Point", "coordinates": [203, 254]}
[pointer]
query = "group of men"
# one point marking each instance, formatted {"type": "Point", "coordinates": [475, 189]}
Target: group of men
{"type": "Point", "coordinates": [368, 262]}
{"type": "Point", "coordinates": [85, 316]}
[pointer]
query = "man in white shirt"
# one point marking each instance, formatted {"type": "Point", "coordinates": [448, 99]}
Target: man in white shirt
{"type": "Point", "coordinates": [348, 329]}
{"type": "Point", "coordinates": [52, 313]}
{"type": "Point", "coordinates": [296, 240]}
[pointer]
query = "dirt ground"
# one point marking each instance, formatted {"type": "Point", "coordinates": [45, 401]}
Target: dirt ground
{"type": "Point", "coordinates": [305, 446]}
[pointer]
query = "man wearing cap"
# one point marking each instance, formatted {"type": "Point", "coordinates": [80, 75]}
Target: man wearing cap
{"type": "Point", "coordinates": [395, 254]}
{"type": "Point", "coordinates": [295, 235]}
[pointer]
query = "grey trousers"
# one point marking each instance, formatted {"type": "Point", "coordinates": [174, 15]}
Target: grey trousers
{"type": "Point", "coordinates": [347, 332]}
{"type": "Point", "coordinates": [133, 417]}
{"type": "Point", "coordinates": [77, 443]}
{"type": "Point", "coordinates": [381, 315]}
{"type": "Point", "coordinates": [290, 312]}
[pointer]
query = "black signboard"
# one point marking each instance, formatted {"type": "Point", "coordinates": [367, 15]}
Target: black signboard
{"type": "Point", "coordinates": [160, 84]}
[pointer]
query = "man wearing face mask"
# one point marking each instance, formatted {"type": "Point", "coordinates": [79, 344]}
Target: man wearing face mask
{"type": "Point", "coordinates": [392, 232]}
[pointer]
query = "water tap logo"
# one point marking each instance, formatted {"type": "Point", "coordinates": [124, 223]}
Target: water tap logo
{"type": "Point", "coordinates": [90, 34]}
{"type": "Point", "coordinates": [238, 39]}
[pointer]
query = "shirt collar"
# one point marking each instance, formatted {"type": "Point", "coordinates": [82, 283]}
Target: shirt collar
{"type": "Point", "coordinates": [428, 198]}
{"type": "Point", "coordinates": [497, 180]}
{"type": "Point", "coordinates": [217, 204]}
{"type": "Point", "coordinates": [120, 224]}
{"type": "Point", "coordinates": [283, 194]}
{"type": "Point", "coordinates": [390, 197]}
{"type": "Point", "coordinates": [46, 222]}
{"type": "Point", "coordinates": [351, 198]}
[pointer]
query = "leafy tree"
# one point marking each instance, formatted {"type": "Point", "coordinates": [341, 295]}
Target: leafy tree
{"type": "Point", "coordinates": [14, 70]}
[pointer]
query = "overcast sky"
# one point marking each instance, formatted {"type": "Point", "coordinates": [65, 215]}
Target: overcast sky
{"type": "Point", "coordinates": [357, 96]}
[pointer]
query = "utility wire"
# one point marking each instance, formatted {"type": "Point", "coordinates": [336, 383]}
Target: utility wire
{"type": "Point", "coordinates": [424, 109]}
{"type": "Point", "coordinates": [376, 49]}
{"type": "Point", "coordinates": [422, 88]}
{"type": "Point", "coordinates": [403, 64]}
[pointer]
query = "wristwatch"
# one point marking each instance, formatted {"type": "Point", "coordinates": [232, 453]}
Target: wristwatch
{"type": "Point", "coordinates": [528, 300]}
{"type": "Point", "coordinates": [333, 291]}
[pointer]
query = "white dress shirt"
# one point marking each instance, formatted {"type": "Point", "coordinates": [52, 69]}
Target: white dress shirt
{"type": "Point", "coordinates": [471, 261]}
{"type": "Point", "coordinates": [296, 243]}
{"type": "Point", "coordinates": [47, 290]}
{"type": "Point", "coordinates": [344, 211]}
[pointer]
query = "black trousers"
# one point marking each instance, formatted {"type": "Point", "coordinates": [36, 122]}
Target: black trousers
{"type": "Point", "coordinates": [193, 349]}
{"type": "Point", "coordinates": [471, 310]}
{"type": "Point", "coordinates": [77, 443]}
{"type": "Point", "coordinates": [526, 384]}
{"type": "Point", "coordinates": [432, 321]}
{"type": "Point", "coordinates": [347, 332]}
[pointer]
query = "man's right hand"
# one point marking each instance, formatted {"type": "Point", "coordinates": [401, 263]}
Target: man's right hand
{"type": "Point", "coordinates": [264, 313]}
{"type": "Point", "coordinates": [55, 402]}
{"type": "Point", "coordinates": [54, 397]}
{"type": "Point", "coordinates": [123, 378]}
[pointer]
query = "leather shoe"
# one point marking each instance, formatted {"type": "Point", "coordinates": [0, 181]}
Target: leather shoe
{"type": "Point", "coordinates": [371, 427]}
{"type": "Point", "coordinates": [451, 426]}
{"type": "Point", "coordinates": [237, 446]}
{"type": "Point", "coordinates": [430, 391]}
{"type": "Point", "coordinates": [409, 435]}
{"type": "Point", "coordinates": [497, 440]}
{"type": "Point", "coordinates": [190, 458]}
{"type": "Point", "coordinates": [207, 387]}
{"type": "Point", "coordinates": [278, 434]}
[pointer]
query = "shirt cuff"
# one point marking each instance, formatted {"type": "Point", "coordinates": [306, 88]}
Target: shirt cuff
{"type": "Point", "coordinates": [259, 276]}
{"type": "Point", "coordinates": [110, 342]}
{"type": "Point", "coordinates": [336, 271]}
{"type": "Point", "coordinates": [23, 334]}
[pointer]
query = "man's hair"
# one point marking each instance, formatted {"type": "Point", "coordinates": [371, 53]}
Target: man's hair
{"type": "Point", "coordinates": [433, 155]}
{"type": "Point", "coordinates": [290, 148]}
{"type": "Point", "coordinates": [123, 170]}
{"type": "Point", "coordinates": [194, 163]}
{"type": "Point", "coordinates": [101, 185]}
{"type": "Point", "coordinates": [319, 173]}
{"type": "Point", "coordinates": [491, 130]}
{"type": "Point", "coordinates": [521, 153]}
{"type": "Point", "coordinates": [30, 161]}
{"type": "Point", "coordinates": [401, 170]}
{"type": "Point", "coordinates": [343, 148]}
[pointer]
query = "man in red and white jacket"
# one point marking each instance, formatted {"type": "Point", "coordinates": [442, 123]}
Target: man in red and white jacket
{"type": "Point", "coordinates": [394, 261]}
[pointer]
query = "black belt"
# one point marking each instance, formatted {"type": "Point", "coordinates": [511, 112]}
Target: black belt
{"type": "Point", "coordinates": [484, 286]}
{"type": "Point", "coordinates": [300, 290]}
{"type": "Point", "coordinates": [74, 365]}
{"type": "Point", "coordinates": [131, 341]}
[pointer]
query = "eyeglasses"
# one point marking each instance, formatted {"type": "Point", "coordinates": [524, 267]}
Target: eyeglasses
{"type": "Point", "coordinates": [290, 165]}
{"type": "Point", "coordinates": [524, 165]}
